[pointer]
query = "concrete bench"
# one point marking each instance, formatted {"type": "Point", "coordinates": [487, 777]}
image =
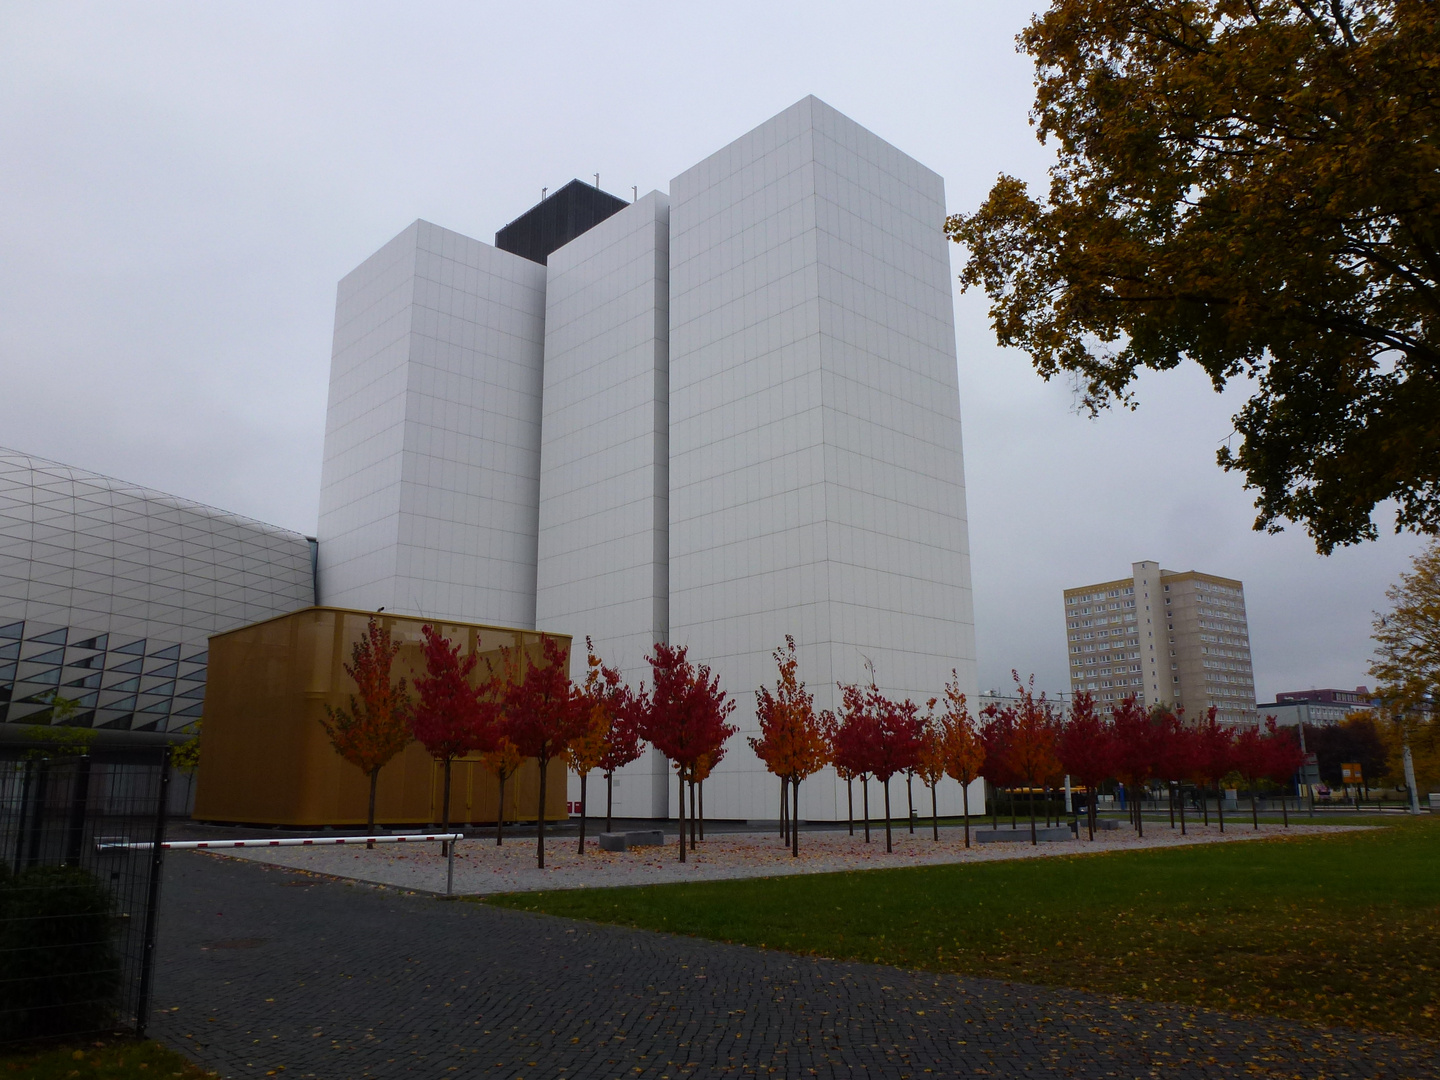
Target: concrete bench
{"type": "Point", "coordinates": [623, 841]}
{"type": "Point", "coordinates": [1021, 834]}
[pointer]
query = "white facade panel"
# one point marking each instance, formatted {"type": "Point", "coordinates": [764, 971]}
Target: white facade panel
{"type": "Point", "coordinates": [816, 478]}
{"type": "Point", "coordinates": [430, 485]}
{"type": "Point", "coordinates": [603, 555]}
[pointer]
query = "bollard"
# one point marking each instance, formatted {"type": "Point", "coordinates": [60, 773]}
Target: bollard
{"type": "Point", "coordinates": [450, 869]}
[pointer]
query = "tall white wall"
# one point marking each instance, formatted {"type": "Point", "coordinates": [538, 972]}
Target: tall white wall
{"type": "Point", "coordinates": [603, 554]}
{"type": "Point", "coordinates": [430, 483]}
{"type": "Point", "coordinates": [816, 477]}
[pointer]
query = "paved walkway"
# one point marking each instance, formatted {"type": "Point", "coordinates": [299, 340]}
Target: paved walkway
{"type": "Point", "coordinates": [264, 971]}
{"type": "Point", "coordinates": [482, 868]}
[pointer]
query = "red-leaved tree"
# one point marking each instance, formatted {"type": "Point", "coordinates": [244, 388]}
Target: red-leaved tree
{"type": "Point", "coordinates": [1086, 748]}
{"type": "Point", "coordinates": [1213, 756]}
{"type": "Point", "coordinates": [1032, 746]}
{"type": "Point", "coordinates": [1286, 757]}
{"type": "Point", "coordinates": [899, 747]}
{"type": "Point", "coordinates": [854, 745]}
{"type": "Point", "coordinates": [376, 727]}
{"type": "Point", "coordinates": [997, 734]}
{"type": "Point", "coordinates": [1135, 752]}
{"type": "Point", "coordinates": [452, 716]}
{"type": "Point", "coordinates": [683, 715]}
{"type": "Point", "coordinates": [543, 713]}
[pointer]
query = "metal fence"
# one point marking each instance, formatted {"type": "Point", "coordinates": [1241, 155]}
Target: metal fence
{"type": "Point", "coordinates": [78, 914]}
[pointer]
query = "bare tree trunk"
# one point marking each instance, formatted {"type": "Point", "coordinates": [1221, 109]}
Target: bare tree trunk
{"type": "Point", "coordinates": [910, 801]}
{"type": "Point", "coordinates": [583, 777]}
{"type": "Point", "coordinates": [1254, 810]}
{"type": "Point", "coordinates": [865, 798]}
{"type": "Point", "coordinates": [1091, 798]}
{"type": "Point", "coordinates": [1139, 817]}
{"type": "Point", "coordinates": [784, 810]}
{"type": "Point", "coordinates": [934, 812]}
{"type": "Point", "coordinates": [1031, 788]}
{"type": "Point", "coordinates": [692, 814]}
{"type": "Point", "coordinates": [680, 771]}
{"type": "Point", "coordinates": [540, 817]}
{"type": "Point", "coordinates": [795, 818]}
{"type": "Point", "coordinates": [1284, 811]}
{"type": "Point", "coordinates": [850, 803]}
{"type": "Point", "coordinates": [887, 814]}
{"type": "Point", "coordinates": [1205, 804]}
{"type": "Point", "coordinates": [609, 800]}
{"type": "Point", "coordinates": [500, 814]}
{"type": "Point", "coordinates": [1220, 805]}
{"type": "Point", "coordinates": [445, 810]}
{"type": "Point", "coordinates": [965, 802]}
{"type": "Point", "coordinates": [701, 790]}
{"type": "Point", "coordinates": [370, 820]}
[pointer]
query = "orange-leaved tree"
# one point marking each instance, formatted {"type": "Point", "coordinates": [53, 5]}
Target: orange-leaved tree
{"type": "Point", "coordinates": [543, 714]}
{"type": "Point", "coordinates": [794, 739]}
{"type": "Point", "coordinates": [1032, 751]}
{"type": "Point", "coordinates": [964, 749]}
{"type": "Point", "coordinates": [502, 761]}
{"type": "Point", "coordinates": [930, 763]}
{"type": "Point", "coordinates": [376, 727]}
{"type": "Point", "coordinates": [598, 700]}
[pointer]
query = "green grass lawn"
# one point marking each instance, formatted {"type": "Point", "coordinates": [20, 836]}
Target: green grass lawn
{"type": "Point", "coordinates": [1336, 930]}
{"type": "Point", "coordinates": [111, 1059]}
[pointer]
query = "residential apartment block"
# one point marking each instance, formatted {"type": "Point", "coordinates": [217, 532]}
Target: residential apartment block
{"type": "Point", "coordinates": [1163, 636]}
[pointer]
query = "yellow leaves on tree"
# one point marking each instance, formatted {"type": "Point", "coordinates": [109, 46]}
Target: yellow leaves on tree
{"type": "Point", "coordinates": [794, 740]}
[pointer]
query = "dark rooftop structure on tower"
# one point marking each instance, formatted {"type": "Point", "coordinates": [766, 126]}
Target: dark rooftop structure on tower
{"type": "Point", "coordinates": [555, 221]}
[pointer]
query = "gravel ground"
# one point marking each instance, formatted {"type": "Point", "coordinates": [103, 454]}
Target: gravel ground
{"type": "Point", "coordinates": [482, 868]}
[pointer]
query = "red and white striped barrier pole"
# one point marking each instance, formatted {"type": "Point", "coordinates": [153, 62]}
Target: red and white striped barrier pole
{"type": "Point", "coordinates": [303, 841]}
{"type": "Point", "coordinates": [284, 841]}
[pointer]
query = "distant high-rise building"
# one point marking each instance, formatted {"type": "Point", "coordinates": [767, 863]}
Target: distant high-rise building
{"type": "Point", "coordinates": [1166, 637]}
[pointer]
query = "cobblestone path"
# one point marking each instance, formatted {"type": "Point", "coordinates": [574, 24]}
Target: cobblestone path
{"type": "Point", "coordinates": [265, 971]}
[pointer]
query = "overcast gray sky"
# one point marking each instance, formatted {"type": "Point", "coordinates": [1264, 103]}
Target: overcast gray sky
{"type": "Point", "coordinates": [183, 184]}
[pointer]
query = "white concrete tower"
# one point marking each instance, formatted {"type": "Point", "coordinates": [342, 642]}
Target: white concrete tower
{"type": "Point", "coordinates": [816, 479]}
{"type": "Point", "coordinates": [429, 492]}
{"type": "Point", "coordinates": [603, 555]}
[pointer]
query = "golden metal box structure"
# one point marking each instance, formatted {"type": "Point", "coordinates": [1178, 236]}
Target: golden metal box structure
{"type": "Point", "coordinates": [265, 757]}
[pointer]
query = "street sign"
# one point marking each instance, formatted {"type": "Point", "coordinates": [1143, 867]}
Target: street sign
{"type": "Point", "coordinates": [1350, 772]}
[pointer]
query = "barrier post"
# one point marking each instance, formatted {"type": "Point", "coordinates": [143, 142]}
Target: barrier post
{"type": "Point", "coordinates": [450, 869]}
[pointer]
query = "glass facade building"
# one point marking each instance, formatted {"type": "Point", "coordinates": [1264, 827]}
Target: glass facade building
{"type": "Point", "coordinates": [109, 593]}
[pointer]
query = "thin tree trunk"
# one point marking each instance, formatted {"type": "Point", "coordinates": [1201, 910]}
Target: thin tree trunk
{"type": "Point", "coordinates": [784, 810]}
{"type": "Point", "coordinates": [1010, 794]}
{"type": "Point", "coordinates": [1254, 810]}
{"type": "Point", "coordinates": [500, 814]}
{"type": "Point", "coordinates": [1220, 806]}
{"type": "Point", "coordinates": [865, 792]}
{"type": "Point", "coordinates": [910, 801]}
{"type": "Point", "coordinates": [583, 777]}
{"type": "Point", "coordinates": [850, 802]}
{"type": "Point", "coordinates": [994, 806]}
{"type": "Point", "coordinates": [370, 820]}
{"type": "Point", "coordinates": [540, 817]}
{"type": "Point", "coordinates": [609, 799]}
{"type": "Point", "coordinates": [681, 773]}
{"type": "Point", "coordinates": [1172, 804]}
{"type": "Point", "coordinates": [1205, 804]}
{"type": "Point", "coordinates": [701, 790]}
{"type": "Point", "coordinates": [1139, 818]}
{"type": "Point", "coordinates": [795, 818]}
{"type": "Point", "coordinates": [1284, 811]}
{"type": "Point", "coordinates": [1182, 813]}
{"type": "Point", "coordinates": [1031, 788]}
{"type": "Point", "coordinates": [934, 812]}
{"type": "Point", "coordinates": [887, 815]}
{"type": "Point", "coordinates": [445, 811]}
{"type": "Point", "coordinates": [692, 815]}
{"type": "Point", "coordinates": [965, 802]}
{"type": "Point", "coordinates": [1091, 799]}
